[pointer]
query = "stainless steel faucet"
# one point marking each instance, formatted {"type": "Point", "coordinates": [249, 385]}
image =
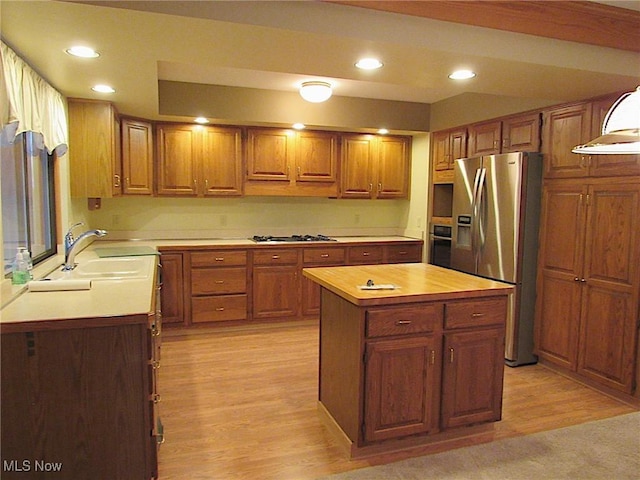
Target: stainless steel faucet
{"type": "Point", "coordinates": [71, 244]}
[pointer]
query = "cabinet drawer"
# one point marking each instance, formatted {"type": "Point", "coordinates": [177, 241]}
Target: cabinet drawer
{"type": "Point", "coordinates": [404, 253]}
{"type": "Point", "coordinates": [275, 257]}
{"type": "Point", "coordinates": [475, 313]}
{"type": "Point", "coordinates": [323, 255]}
{"type": "Point", "coordinates": [213, 258]}
{"type": "Point", "coordinates": [218, 308]}
{"type": "Point", "coordinates": [216, 281]}
{"type": "Point", "coordinates": [404, 320]}
{"type": "Point", "coordinates": [363, 254]}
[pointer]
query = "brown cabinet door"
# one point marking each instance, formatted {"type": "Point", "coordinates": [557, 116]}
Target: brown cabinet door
{"type": "Point", "coordinates": [564, 128]}
{"type": "Point", "coordinates": [275, 291]}
{"type": "Point", "coordinates": [172, 289]}
{"type": "Point", "coordinates": [316, 157]}
{"type": "Point", "coordinates": [269, 154]}
{"type": "Point", "coordinates": [137, 157]}
{"type": "Point", "coordinates": [521, 134]}
{"type": "Point", "coordinates": [485, 138]}
{"type": "Point", "coordinates": [94, 153]}
{"type": "Point", "coordinates": [608, 330]}
{"type": "Point", "coordinates": [393, 167]}
{"type": "Point", "coordinates": [609, 165]}
{"type": "Point", "coordinates": [221, 164]}
{"type": "Point", "coordinates": [441, 150]}
{"type": "Point", "coordinates": [560, 261]}
{"type": "Point", "coordinates": [473, 365]}
{"type": "Point", "coordinates": [358, 161]}
{"type": "Point", "coordinates": [178, 156]}
{"type": "Point", "coordinates": [401, 387]}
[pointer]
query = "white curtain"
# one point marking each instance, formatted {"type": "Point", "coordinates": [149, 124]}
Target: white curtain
{"type": "Point", "coordinates": [29, 103]}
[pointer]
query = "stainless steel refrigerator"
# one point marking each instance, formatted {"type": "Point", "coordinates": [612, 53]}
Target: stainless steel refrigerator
{"type": "Point", "coordinates": [496, 210]}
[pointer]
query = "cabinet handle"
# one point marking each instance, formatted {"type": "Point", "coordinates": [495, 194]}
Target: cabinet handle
{"type": "Point", "coordinates": [433, 357]}
{"type": "Point", "coordinates": [450, 355]}
{"type": "Point", "coordinates": [156, 365]}
{"type": "Point", "coordinates": [116, 181]}
{"type": "Point", "coordinates": [402, 252]}
{"type": "Point", "coordinates": [370, 187]}
{"type": "Point", "coordinates": [299, 172]}
{"type": "Point", "coordinates": [206, 185]}
{"type": "Point", "coordinates": [156, 398]}
{"type": "Point", "coordinates": [365, 254]}
{"type": "Point", "coordinates": [220, 309]}
{"type": "Point", "coordinates": [380, 187]}
{"type": "Point", "coordinates": [219, 282]}
{"type": "Point", "coordinates": [275, 257]}
{"type": "Point", "coordinates": [324, 255]}
{"type": "Point", "coordinates": [476, 315]}
{"type": "Point", "coordinates": [219, 259]}
{"type": "Point", "coordinates": [403, 322]}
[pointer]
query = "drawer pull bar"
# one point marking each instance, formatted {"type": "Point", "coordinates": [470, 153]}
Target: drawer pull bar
{"type": "Point", "coordinates": [219, 282]}
{"type": "Point", "coordinates": [219, 259]}
{"type": "Point", "coordinates": [365, 254]}
{"type": "Point", "coordinates": [325, 255]}
{"type": "Point", "coordinates": [275, 257]}
{"type": "Point", "coordinates": [156, 398]}
{"type": "Point", "coordinates": [403, 322]}
{"type": "Point", "coordinates": [451, 355]}
{"type": "Point", "coordinates": [476, 315]}
{"type": "Point", "coordinates": [220, 309]}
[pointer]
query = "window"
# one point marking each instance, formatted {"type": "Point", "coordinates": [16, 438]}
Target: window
{"type": "Point", "coordinates": [28, 199]}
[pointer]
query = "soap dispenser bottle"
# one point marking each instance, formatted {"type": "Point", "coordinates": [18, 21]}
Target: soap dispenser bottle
{"type": "Point", "coordinates": [20, 270]}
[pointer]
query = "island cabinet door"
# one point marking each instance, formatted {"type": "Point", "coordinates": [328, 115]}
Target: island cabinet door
{"type": "Point", "coordinates": [401, 387]}
{"type": "Point", "coordinates": [473, 367]}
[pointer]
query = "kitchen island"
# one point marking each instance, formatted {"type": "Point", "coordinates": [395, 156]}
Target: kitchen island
{"type": "Point", "coordinates": [420, 361]}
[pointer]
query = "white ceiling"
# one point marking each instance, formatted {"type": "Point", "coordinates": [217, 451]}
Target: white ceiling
{"type": "Point", "coordinates": [277, 45]}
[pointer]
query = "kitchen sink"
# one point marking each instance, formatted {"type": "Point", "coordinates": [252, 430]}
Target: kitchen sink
{"type": "Point", "coordinates": [110, 268]}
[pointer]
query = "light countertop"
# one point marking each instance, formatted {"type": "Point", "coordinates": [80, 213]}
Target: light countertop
{"type": "Point", "coordinates": [414, 282]}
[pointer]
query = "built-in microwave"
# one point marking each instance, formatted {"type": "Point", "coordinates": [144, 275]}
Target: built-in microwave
{"type": "Point", "coordinates": [441, 245]}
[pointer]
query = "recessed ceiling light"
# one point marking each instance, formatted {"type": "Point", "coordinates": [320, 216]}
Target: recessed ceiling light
{"type": "Point", "coordinates": [84, 52]}
{"type": "Point", "coordinates": [369, 63]}
{"type": "Point", "coordinates": [201, 120]}
{"type": "Point", "coordinates": [299, 126]}
{"type": "Point", "coordinates": [103, 89]}
{"type": "Point", "coordinates": [383, 131]}
{"type": "Point", "coordinates": [462, 75]}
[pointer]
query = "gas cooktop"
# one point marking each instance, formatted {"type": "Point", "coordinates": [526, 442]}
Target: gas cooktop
{"type": "Point", "coordinates": [293, 238]}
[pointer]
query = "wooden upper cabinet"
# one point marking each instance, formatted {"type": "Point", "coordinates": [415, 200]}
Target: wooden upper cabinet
{"type": "Point", "coordinates": [221, 161]}
{"type": "Point", "coordinates": [94, 149]}
{"type": "Point", "coordinates": [199, 161]}
{"type": "Point", "coordinates": [375, 167]}
{"type": "Point", "coordinates": [285, 162]}
{"type": "Point", "coordinates": [448, 145]}
{"type": "Point", "coordinates": [316, 157]}
{"type": "Point", "coordinates": [519, 133]}
{"type": "Point", "coordinates": [485, 138]}
{"type": "Point", "coordinates": [393, 167]}
{"type": "Point", "coordinates": [564, 128]}
{"type": "Point", "coordinates": [269, 153]}
{"type": "Point", "coordinates": [609, 165]}
{"type": "Point", "coordinates": [137, 157]}
{"type": "Point", "coordinates": [178, 155]}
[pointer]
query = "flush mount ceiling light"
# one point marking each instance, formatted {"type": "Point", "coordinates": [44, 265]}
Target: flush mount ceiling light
{"type": "Point", "coordinates": [369, 63]}
{"type": "Point", "coordinates": [620, 129]}
{"type": "Point", "coordinates": [383, 131]}
{"type": "Point", "coordinates": [83, 52]}
{"type": "Point", "coordinates": [462, 75]}
{"type": "Point", "coordinates": [103, 89]}
{"type": "Point", "coordinates": [298, 126]}
{"type": "Point", "coordinates": [201, 120]}
{"type": "Point", "coordinates": [315, 91]}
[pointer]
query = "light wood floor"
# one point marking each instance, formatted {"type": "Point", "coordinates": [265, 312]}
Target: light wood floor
{"type": "Point", "coordinates": [240, 403]}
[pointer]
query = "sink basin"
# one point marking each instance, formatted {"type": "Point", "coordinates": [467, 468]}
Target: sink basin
{"type": "Point", "coordinates": [110, 268]}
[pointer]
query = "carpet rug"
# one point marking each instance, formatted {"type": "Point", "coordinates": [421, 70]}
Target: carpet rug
{"type": "Point", "coordinates": [606, 449]}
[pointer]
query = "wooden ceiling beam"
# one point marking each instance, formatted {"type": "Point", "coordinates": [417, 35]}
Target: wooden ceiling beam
{"type": "Point", "coordinates": [575, 21]}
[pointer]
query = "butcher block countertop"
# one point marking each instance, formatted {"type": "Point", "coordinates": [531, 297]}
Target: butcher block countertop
{"type": "Point", "coordinates": [413, 282]}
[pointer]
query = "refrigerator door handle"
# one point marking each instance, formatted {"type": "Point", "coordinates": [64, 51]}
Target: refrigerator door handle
{"type": "Point", "coordinates": [474, 215]}
{"type": "Point", "coordinates": [480, 207]}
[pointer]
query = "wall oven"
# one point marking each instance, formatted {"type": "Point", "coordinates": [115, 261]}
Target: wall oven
{"type": "Point", "coordinates": [441, 245]}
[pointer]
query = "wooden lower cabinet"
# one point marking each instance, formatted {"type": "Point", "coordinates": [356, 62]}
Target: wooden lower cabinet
{"type": "Point", "coordinates": [81, 400]}
{"type": "Point", "coordinates": [385, 376]}
{"type": "Point", "coordinates": [589, 279]}
{"type": "Point", "coordinates": [172, 287]}
{"type": "Point", "coordinates": [276, 283]}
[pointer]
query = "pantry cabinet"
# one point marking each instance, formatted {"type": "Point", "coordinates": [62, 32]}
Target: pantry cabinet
{"type": "Point", "coordinates": [587, 307]}
{"type": "Point", "coordinates": [199, 160]}
{"type": "Point", "coordinates": [137, 157]}
{"type": "Point", "coordinates": [285, 162]}
{"type": "Point", "coordinates": [94, 149]}
{"type": "Point", "coordinates": [375, 166]}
